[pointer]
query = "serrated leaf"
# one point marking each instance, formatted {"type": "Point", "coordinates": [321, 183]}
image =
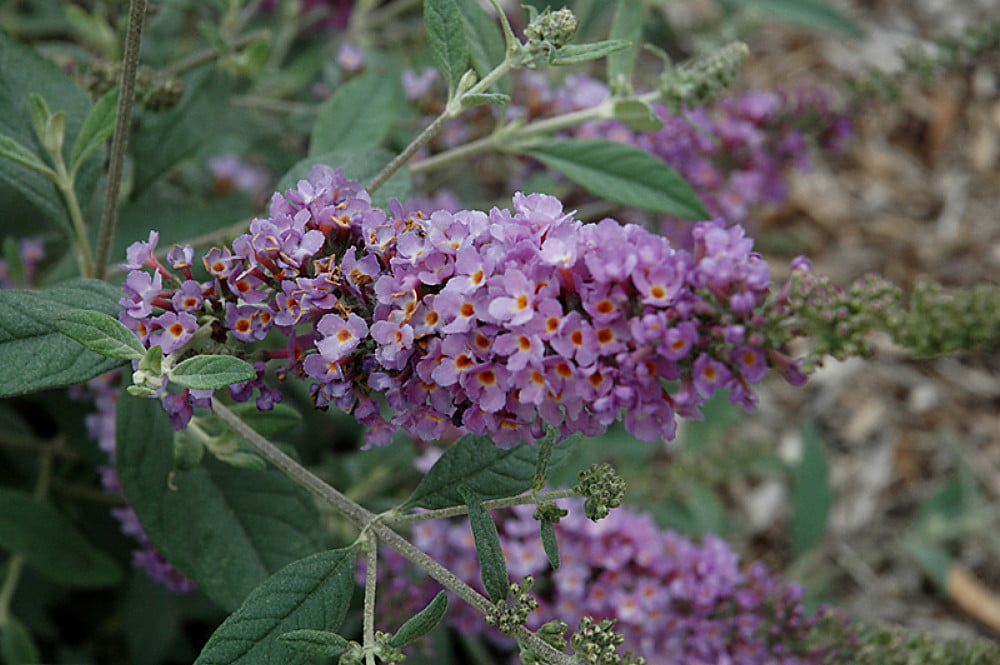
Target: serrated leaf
{"type": "Point", "coordinates": [225, 528]}
{"type": "Point", "coordinates": [478, 464]}
{"type": "Point", "coordinates": [33, 356]}
{"type": "Point", "coordinates": [446, 37]}
{"type": "Point", "coordinates": [549, 543]}
{"type": "Point", "coordinates": [210, 372]}
{"type": "Point", "coordinates": [571, 54]}
{"type": "Point", "coordinates": [311, 592]}
{"type": "Point", "coordinates": [358, 115]}
{"type": "Point", "coordinates": [814, 13]}
{"type": "Point", "coordinates": [422, 622]}
{"type": "Point", "coordinates": [626, 25]}
{"type": "Point", "coordinates": [810, 495]}
{"type": "Point", "coordinates": [100, 333]}
{"type": "Point", "coordinates": [361, 164]}
{"type": "Point", "coordinates": [17, 646]}
{"type": "Point", "coordinates": [314, 642]}
{"type": "Point", "coordinates": [485, 41]}
{"type": "Point", "coordinates": [14, 151]}
{"type": "Point", "coordinates": [492, 566]}
{"type": "Point", "coordinates": [51, 543]}
{"type": "Point", "coordinates": [97, 128]}
{"type": "Point", "coordinates": [624, 174]}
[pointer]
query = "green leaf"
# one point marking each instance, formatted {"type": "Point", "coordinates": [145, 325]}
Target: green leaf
{"type": "Point", "coordinates": [626, 25]}
{"type": "Point", "coordinates": [15, 262]}
{"type": "Point", "coordinates": [225, 528]}
{"type": "Point", "coordinates": [33, 356]}
{"type": "Point", "coordinates": [492, 566]}
{"type": "Point", "coordinates": [210, 372]}
{"type": "Point", "coordinates": [932, 559]}
{"type": "Point", "coordinates": [468, 101]}
{"type": "Point", "coordinates": [311, 592]}
{"type": "Point", "coordinates": [165, 139]}
{"type": "Point", "coordinates": [814, 13]}
{"type": "Point", "coordinates": [446, 37]}
{"type": "Point", "coordinates": [314, 642]}
{"type": "Point", "coordinates": [40, 114]}
{"type": "Point", "coordinates": [485, 41]}
{"type": "Point", "coordinates": [422, 622]}
{"type": "Point", "coordinates": [97, 128]}
{"type": "Point", "coordinates": [14, 151]}
{"type": "Point", "coordinates": [100, 333]}
{"type": "Point", "coordinates": [51, 543]}
{"type": "Point", "coordinates": [23, 69]}
{"type": "Point", "coordinates": [17, 646]}
{"type": "Point", "coordinates": [478, 464]}
{"type": "Point", "coordinates": [188, 450]}
{"type": "Point", "coordinates": [637, 115]}
{"type": "Point", "coordinates": [358, 115]}
{"type": "Point", "coordinates": [810, 495]}
{"type": "Point", "coordinates": [571, 54]}
{"type": "Point", "coordinates": [358, 164]}
{"type": "Point", "coordinates": [624, 174]}
{"type": "Point", "coordinates": [549, 543]}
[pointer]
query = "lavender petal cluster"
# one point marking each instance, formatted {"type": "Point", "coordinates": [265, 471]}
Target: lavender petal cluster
{"type": "Point", "coordinates": [499, 322]}
{"type": "Point", "coordinates": [676, 601]}
{"type": "Point", "coordinates": [734, 153]}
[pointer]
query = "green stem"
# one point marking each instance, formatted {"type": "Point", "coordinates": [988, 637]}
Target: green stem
{"type": "Point", "coordinates": [366, 520]}
{"type": "Point", "coordinates": [492, 504]}
{"type": "Point", "coordinates": [119, 144]}
{"type": "Point", "coordinates": [371, 582]}
{"type": "Point", "coordinates": [64, 182]}
{"type": "Point", "coordinates": [452, 110]}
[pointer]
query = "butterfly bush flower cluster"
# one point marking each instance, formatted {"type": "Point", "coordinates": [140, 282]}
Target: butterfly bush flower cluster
{"type": "Point", "coordinates": [500, 321]}
{"type": "Point", "coordinates": [676, 601]}
{"type": "Point", "coordinates": [734, 152]}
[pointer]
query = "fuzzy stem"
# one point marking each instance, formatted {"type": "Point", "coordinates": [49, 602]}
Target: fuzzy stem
{"type": "Point", "coordinates": [367, 520]}
{"type": "Point", "coordinates": [119, 144]}
{"type": "Point", "coordinates": [64, 182]}
{"type": "Point", "coordinates": [492, 504]}
{"type": "Point", "coordinates": [453, 110]}
{"type": "Point", "coordinates": [371, 582]}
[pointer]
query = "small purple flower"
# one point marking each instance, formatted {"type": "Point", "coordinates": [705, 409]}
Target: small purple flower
{"type": "Point", "coordinates": [171, 330]}
{"type": "Point", "coordinates": [340, 337]}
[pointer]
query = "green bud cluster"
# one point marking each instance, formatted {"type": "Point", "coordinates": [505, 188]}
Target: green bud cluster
{"type": "Point", "coordinates": [552, 633]}
{"type": "Point", "coordinates": [884, 644]}
{"type": "Point", "coordinates": [703, 79]}
{"type": "Point", "coordinates": [385, 650]}
{"type": "Point", "coordinates": [155, 91]}
{"type": "Point", "coordinates": [939, 321]}
{"type": "Point", "coordinates": [554, 28]}
{"type": "Point", "coordinates": [507, 617]}
{"type": "Point", "coordinates": [548, 511]}
{"type": "Point", "coordinates": [924, 65]}
{"type": "Point", "coordinates": [602, 488]}
{"type": "Point", "coordinates": [836, 322]}
{"type": "Point", "coordinates": [596, 643]}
